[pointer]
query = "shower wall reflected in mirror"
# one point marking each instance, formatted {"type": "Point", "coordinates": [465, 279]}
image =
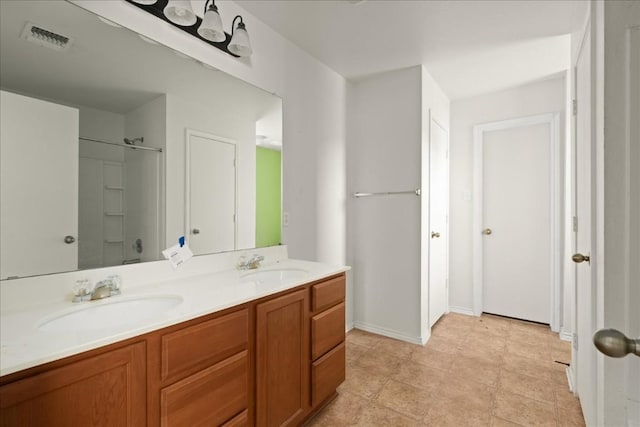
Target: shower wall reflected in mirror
{"type": "Point", "coordinates": [118, 203]}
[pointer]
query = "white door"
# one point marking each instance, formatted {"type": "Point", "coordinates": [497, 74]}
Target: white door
{"type": "Point", "coordinates": [585, 286]}
{"type": "Point", "coordinates": [515, 214]}
{"type": "Point", "coordinates": [631, 295]}
{"type": "Point", "coordinates": [211, 193]}
{"type": "Point", "coordinates": [609, 295]}
{"type": "Point", "coordinates": [618, 234]}
{"type": "Point", "coordinates": [38, 186]}
{"type": "Point", "coordinates": [438, 211]}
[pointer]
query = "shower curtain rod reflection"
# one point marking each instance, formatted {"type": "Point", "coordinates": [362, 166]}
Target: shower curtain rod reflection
{"type": "Point", "coordinates": [135, 147]}
{"type": "Point", "coordinates": [415, 192]}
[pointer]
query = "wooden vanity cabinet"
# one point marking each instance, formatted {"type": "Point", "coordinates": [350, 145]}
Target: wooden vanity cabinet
{"type": "Point", "coordinates": [282, 354]}
{"type": "Point", "coordinates": [107, 389]}
{"type": "Point", "coordinates": [270, 362]}
{"type": "Point", "coordinates": [205, 371]}
{"type": "Point", "coordinates": [328, 357]}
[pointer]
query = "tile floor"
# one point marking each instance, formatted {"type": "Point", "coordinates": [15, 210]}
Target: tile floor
{"type": "Point", "coordinates": [474, 371]}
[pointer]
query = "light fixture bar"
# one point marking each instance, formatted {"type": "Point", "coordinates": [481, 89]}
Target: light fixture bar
{"type": "Point", "coordinates": [157, 10]}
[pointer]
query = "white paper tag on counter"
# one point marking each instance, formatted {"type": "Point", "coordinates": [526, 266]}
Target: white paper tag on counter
{"type": "Point", "coordinates": [177, 255]}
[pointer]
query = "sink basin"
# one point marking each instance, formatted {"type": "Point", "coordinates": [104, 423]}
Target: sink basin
{"type": "Point", "coordinates": [275, 276]}
{"type": "Point", "coordinates": [109, 314]}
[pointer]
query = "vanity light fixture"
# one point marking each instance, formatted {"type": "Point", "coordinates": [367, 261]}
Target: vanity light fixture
{"type": "Point", "coordinates": [180, 12]}
{"type": "Point", "coordinates": [211, 27]}
{"type": "Point", "coordinates": [208, 29]}
{"type": "Point", "coordinates": [240, 44]}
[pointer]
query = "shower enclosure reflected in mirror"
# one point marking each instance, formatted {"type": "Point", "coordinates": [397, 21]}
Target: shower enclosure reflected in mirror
{"type": "Point", "coordinates": [95, 128]}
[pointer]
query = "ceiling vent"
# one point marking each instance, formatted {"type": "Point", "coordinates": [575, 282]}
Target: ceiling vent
{"type": "Point", "coordinates": [47, 38]}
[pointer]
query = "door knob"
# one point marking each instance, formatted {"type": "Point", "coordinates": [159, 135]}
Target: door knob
{"type": "Point", "coordinates": [578, 258]}
{"type": "Point", "coordinates": [69, 239]}
{"type": "Point", "coordinates": [614, 343]}
{"type": "Point", "coordinates": [195, 231]}
{"type": "Point", "coordinates": [487, 231]}
{"type": "Point", "coordinates": [435, 234]}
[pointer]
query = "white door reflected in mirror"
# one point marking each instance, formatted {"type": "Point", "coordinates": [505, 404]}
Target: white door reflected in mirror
{"type": "Point", "coordinates": [211, 193]}
{"type": "Point", "coordinates": [39, 155]}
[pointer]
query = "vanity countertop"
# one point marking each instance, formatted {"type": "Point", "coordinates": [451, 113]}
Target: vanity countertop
{"type": "Point", "coordinates": [23, 345]}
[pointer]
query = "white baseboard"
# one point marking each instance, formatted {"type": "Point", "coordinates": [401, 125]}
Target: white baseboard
{"type": "Point", "coordinates": [387, 333]}
{"type": "Point", "coordinates": [349, 327]}
{"type": "Point", "coordinates": [566, 336]}
{"type": "Point", "coordinates": [461, 310]}
{"type": "Point", "coordinates": [570, 379]}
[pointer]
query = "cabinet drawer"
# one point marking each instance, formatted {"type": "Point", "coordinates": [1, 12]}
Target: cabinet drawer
{"type": "Point", "coordinates": [327, 373]}
{"type": "Point", "coordinates": [240, 420]}
{"type": "Point", "coordinates": [327, 330]}
{"type": "Point", "coordinates": [209, 397]}
{"type": "Point", "coordinates": [326, 294]}
{"type": "Point", "coordinates": [196, 347]}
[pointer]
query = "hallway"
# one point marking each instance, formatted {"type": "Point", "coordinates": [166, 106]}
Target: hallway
{"type": "Point", "coordinates": [474, 371]}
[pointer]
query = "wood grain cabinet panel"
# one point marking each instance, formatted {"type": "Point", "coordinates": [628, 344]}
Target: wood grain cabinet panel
{"type": "Point", "coordinates": [326, 294]}
{"type": "Point", "coordinates": [240, 420]}
{"type": "Point", "coordinates": [209, 397]}
{"type": "Point", "coordinates": [327, 373]}
{"type": "Point", "coordinates": [195, 347]}
{"type": "Point", "coordinates": [327, 330]}
{"type": "Point", "coordinates": [282, 360]}
{"type": "Point", "coordinates": [104, 390]}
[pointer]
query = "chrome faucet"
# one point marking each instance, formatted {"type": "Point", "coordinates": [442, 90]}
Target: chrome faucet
{"type": "Point", "coordinates": [251, 264]}
{"type": "Point", "coordinates": [103, 289]}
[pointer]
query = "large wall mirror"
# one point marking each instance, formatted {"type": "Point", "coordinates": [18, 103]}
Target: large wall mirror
{"type": "Point", "coordinates": [113, 146]}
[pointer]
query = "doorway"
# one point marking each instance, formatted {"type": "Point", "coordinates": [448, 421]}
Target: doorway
{"type": "Point", "coordinates": [438, 220]}
{"type": "Point", "coordinates": [608, 211]}
{"type": "Point", "coordinates": [585, 307]}
{"type": "Point", "coordinates": [38, 174]}
{"type": "Point", "coordinates": [210, 193]}
{"type": "Point", "coordinates": [516, 218]}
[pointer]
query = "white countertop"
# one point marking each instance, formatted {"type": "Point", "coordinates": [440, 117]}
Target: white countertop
{"type": "Point", "coordinates": [23, 345]}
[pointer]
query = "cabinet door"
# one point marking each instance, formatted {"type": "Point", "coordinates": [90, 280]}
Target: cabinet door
{"type": "Point", "coordinates": [104, 390]}
{"type": "Point", "coordinates": [282, 360]}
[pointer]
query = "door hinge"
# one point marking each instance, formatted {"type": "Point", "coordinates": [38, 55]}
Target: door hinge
{"type": "Point", "coordinates": [574, 340]}
{"type": "Point", "coordinates": [574, 103]}
{"type": "Point", "coordinates": [575, 224]}
{"type": "Point", "coordinates": [234, 217]}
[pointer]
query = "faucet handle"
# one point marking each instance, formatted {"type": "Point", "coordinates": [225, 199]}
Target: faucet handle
{"type": "Point", "coordinates": [116, 283]}
{"type": "Point", "coordinates": [82, 290]}
{"type": "Point", "coordinates": [255, 261]}
{"type": "Point", "coordinates": [242, 263]}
